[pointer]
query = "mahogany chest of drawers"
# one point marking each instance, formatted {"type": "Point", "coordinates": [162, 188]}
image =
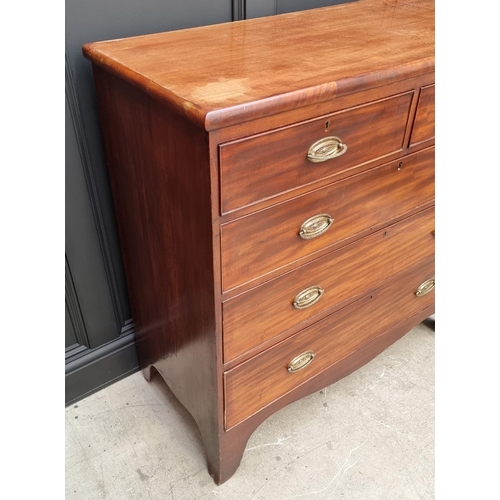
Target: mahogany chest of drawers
{"type": "Point", "coordinates": [273, 182]}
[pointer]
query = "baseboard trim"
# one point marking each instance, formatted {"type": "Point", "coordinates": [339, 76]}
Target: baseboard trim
{"type": "Point", "coordinates": [101, 367]}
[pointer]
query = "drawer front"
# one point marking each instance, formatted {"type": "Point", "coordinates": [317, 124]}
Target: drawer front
{"type": "Point", "coordinates": [265, 165]}
{"type": "Point", "coordinates": [261, 380]}
{"type": "Point", "coordinates": [423, 127]}
{"type": "Point", "coordinates": [262, 313]}
{"type": "Point", "coordinates": [257, 244]}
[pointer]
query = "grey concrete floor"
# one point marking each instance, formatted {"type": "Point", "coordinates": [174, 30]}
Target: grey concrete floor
{"type": "Point", "coordinates": [370, 436]}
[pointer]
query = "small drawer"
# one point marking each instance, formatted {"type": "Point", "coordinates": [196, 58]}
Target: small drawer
{"type": "Point", "coordinates": [259, 315]}
{"type": "Point", "coordinates": [268, 376]}
{"type": "Point", "coordinates": [259, 243]}
{"type": "Point", "coordinates": [268, 164]}
{"type": "Point", "coordinates": [424, 124]}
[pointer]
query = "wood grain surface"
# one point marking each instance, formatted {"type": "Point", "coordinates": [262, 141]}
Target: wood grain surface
{"type": "Point", "coordinates": [228, 73]}
{"type": "Point", "coordinates": [264, 378]}
{"type": "Point", "coordinates": [166, 239]}
{"type": "Point", "coordinates": [267, 240]}
{"type": "Point", "coordinates": [261, 314]}
{"type": "Point", "coordinates": [235, 439]}
{"type": "Point", "coordinates": [262, 166]}
{"type": "Point", "coordinates": [208, 232]}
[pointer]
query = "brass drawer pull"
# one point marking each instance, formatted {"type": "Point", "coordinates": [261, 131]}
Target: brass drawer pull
{"type": "Point", "coordinates": [306, 298]}
{"type": "Point", "coordinates": [301, 361]}
{"type": "Point", "coordinates": [326, 149]}
{"type": "Point", "coordinates": [316, 225]}
{"type": "Point", "coordinates": [425, 287]}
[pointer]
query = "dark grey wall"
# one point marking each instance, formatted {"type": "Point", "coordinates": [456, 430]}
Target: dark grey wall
{"type": "Point", "coordinates": [260, 8]}
{"type": "Point", "coordinates": [99, 329]}
{"type": "Point", "coordinates": [100, 346]}
{"type": "Point", "coordinates": [92, 20]}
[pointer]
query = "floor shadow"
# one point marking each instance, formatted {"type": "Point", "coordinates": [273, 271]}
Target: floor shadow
{"type": "Point", "coordinates": [430, 322]}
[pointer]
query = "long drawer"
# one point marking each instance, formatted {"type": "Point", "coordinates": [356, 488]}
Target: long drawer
{"type": "Point", "coordinates": [256, 316]}
{"type": "Point", "coordinates": [267, 164]}
{"type": "Point", "coordinates": [266, 377]}
{"type": "Point", "coordinates": [264, 241]}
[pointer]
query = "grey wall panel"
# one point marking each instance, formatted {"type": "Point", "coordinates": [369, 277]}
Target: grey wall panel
{"type": "Point", "coordinates": [70, 336]}
{"type": "Point", "coordinates": [284, 6]}
{"type": "Point", "coordinates": [260, 8]}
{"type": "Point", "coordinates": [83, 250]}
{"type": "Point", "coordinates": [100, 348]}
{"type": "Point", "coordinates": [93, 20]}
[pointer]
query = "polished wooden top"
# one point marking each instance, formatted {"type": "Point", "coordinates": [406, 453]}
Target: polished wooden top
{"type": "Point", "coordinates": [232, 72]}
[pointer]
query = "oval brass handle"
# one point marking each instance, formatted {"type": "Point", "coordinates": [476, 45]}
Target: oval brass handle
{"type": "Point", "coordinates": [306, 298]}
{"type": "Point", "coordinates": [301, 361]}
{"type": "Point", "coordinates": [326, 149]}
{"type": "Point", "coordinates": [314, 226]}
{"type": "Point", "coordinates": [425, 287]}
